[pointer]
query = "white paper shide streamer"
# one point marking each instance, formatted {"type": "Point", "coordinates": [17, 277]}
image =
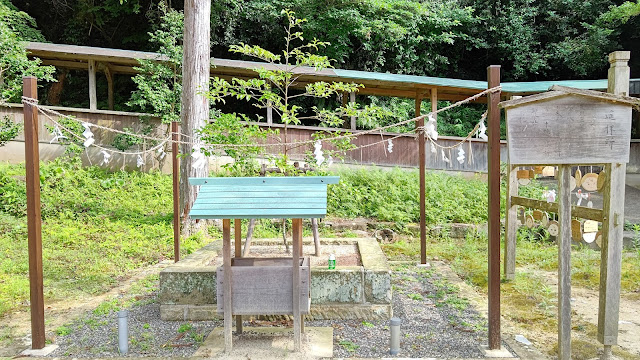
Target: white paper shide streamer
{"type": "Point", "coordinates": [106, 157]}
{"type": "Point", "coordinates": [549, 195]}
{"type": "Point", "coordinates": [199, 160]}
{"type": "Point", "coordinates": [431, 128]}
{"type": "Point", "coordinates": [390, 146]}
{"type": "Point", "coordinates": [88, 135]}
{"type": "Point", "coordinates": [317, 152]}
{"type": "Point", "coordinates": [140, 161]}
{"type": "Point", "coordinates": [482, 129]}
{"type": "Point", "coordinates": [161, 153]}
{"type": "Point", "coordinates": [445, 158]}
{"type": "Point", "coordinates": [57, 135]}
{"type": "Point", "coordinates": [460, 157]}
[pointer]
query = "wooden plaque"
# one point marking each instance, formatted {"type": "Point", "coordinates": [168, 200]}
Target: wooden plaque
{"type": "Point", "coordinates": [568, 129]}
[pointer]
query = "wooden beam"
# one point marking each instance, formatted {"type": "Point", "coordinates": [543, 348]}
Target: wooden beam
{"type": "Point", "coordinates": [511, 226]}
{"type": "Point", "coordinates": [297, 245]}
{"type": "Point", "coordinates": [493, 121]}
{"type": "Point", "coordinates": [227, 300]}
{"type": "Point", "coordinates": [269, 113]}
{"type": "Point", "coordinates": [175, 162]}
{"type": "Point", "coordinates": [422, 164]}
{"type": "Point", "coordinates": [34, 219]}
{"type": "Point", "coordinates": [564, 262]}
{"type": "Point", "coordinates": [576, 211]}
{"type": "Point", "coordinates": [93, 100]}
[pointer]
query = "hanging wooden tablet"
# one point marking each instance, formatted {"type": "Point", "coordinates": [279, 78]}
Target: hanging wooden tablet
{"type": "Point", "coordinates": [599, 239]}
{"type": "Point", "coordinates": [553, 228]}
{"type": "Point", "coordinates": [532, 174]}
{"type": "Point", "coordinates": [538, 169]}
{"type": "Point", "coordinates": [545, 220]}
{"type": "Point", "coordinates": [537, 215]}
{"type": "Point", "coordinates": [602, 178]}
{"type": "Point", "coordinates": [576, 230]}
{"type": "Point", "coordinates": [590, 229]}
{"type": "Point", "coordinates": [524, 177]}
{"type": "Point", "coordinates": [529, 221]}
{"type": "Point", "coordinates": [590, 182]}
{"type": "Point", "coordinates": [572, 184]}
{"type": "Point", "coordinates": [549, 171]}
{"type": "Point", "coordinates": [578, 177]}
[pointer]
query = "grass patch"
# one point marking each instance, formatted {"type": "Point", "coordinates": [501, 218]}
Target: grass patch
{"type": "Point", "coordinates": [97, 227]}
{"type": "Point", "coordinates": [349, 345]}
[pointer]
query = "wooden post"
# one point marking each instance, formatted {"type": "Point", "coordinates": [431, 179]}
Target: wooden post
{"type": "Point", "coordinates": [564, 262]}
{"type": "Point", "coordinates": [352, 100]}
{"type": "Point", "coordinates": [316, 236]}
{"type": "Point", "coordinates": [34, 219]}
{"type": "Point", "coordinates": [228, 304]}
{"type": "Point", "coordinates": [297, 319]}
{"type": "Point", "coordinates": [175, 161]}
{"type": "Point", "coordinates": [93, 100]}
{"type": "Point", "coordinates": [422, 166]}
{"type": "Point", "coordinates": [109, 75]}
{"type": "Point", "coordinates": [195, 79]}
{"type": "Point", "coordinates": [493, 121]}
{"type": "Point", "coordinates": [269, 114]}
{"type": "Point", "coordinates": [612, 226]}
{"type": "Point", "coordinates": [237, 228]}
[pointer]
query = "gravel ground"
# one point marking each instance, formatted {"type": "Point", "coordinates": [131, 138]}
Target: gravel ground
{"type": "Point", "coordinates": [436, 322]}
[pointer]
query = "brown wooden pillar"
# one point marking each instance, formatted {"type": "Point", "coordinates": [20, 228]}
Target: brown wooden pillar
{"type": "Point", "coordinates": [109, 75]}
{"type": "Point", "coordinates": [422, 166]}
{"type": "Point", "coordinates": [493, 120]}
{"type": "Point", "coordinates": [34, 219]}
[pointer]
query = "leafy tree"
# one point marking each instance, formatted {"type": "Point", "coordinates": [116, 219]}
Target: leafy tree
{"type": "Point", "coordinates": [275, 87]}
{"type": "Point", "coordinates": [15, 27]}
{"type": "Point", "coordinates": [159, 83]}
{"type": "Point", "coordinates": [8, 130]}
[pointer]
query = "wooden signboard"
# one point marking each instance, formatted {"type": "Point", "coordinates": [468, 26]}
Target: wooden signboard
{"type": "Point", "coordinates": [567, 128]}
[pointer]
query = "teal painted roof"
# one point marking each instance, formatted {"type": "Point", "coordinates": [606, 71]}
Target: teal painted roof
{"type": "Point", "coordinates": [415, 79]}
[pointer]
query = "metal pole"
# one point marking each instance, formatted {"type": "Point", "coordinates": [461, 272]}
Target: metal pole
{"type": "Point", "coordinates": [493, 120]}
{"type": "Point", "coordinates": [422, 166]}
{"type": "Point", "coordinates": [175, 137]}
{"type": "Point", "coordinates": [34, 220]}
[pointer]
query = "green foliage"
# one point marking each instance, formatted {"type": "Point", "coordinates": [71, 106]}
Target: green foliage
{"type": "Point", "coordinates": [73, 139]}
{"type": "Point", "coordinates": [92, 236]}
{"type": "Point", "coordinates": [233, 129]}
{"type": "Point", "coordinates": [185, 327]}
{"type": "Point", "coordinates": [274, 88]}
{"type": "Point", "coordinates": [8, 130]}
{"type": "Point", "coordinates": [124, 142]}
{"type": "Point", "coordinates": [16, 27]}
{"type": "Point", "coordinates": [159, 84]}
{"type": "Point", "coordinates": [393, 196]}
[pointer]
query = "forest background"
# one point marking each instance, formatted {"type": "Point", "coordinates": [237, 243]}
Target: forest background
{"type": "Point", "coordinates": [531, 39]}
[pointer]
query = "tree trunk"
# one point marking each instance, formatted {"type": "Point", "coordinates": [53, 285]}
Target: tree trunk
{"type": "Point", "coordinates": [195, 106]}
{"type": "Point", "coordinates": [55, 91]}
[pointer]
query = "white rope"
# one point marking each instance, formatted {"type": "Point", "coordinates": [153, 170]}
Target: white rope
{"type": "Point", "coordinates": [49, 112]}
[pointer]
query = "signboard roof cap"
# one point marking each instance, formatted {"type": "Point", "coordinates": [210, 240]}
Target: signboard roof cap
{"type": "Point", "coordinates": [557, 90]}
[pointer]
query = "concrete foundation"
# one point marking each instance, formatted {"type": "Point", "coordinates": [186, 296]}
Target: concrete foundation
{"type": "Point", "coordinates": [188, 288]}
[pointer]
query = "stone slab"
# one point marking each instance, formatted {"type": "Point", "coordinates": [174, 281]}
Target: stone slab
{"type": "Point", "coordinates": [45, 351]}
{"type": "Point", "coordinates": [269, 343]}
{"type": "Point", "coordinates": [341, 285]}
{"type": "Point", "coordinates": [501, 353]}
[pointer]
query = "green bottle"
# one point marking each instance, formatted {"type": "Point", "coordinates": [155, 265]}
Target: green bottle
{"type": "Point", "coordinates": [332, 262]}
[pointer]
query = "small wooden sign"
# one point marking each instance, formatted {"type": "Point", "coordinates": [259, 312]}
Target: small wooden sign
{"type": "Point", "coordinates": [549, 171]}
{"type": "Point", "coordinates": [576, 230]}
{"type": "Point", "coordinates": [545, 220]}
{"type": "Point", "coordinates": [578, 177]}
{"type": "Point", "coordinates": [590, 182]}
{"type": "Point", "coordinates": [554, 230]}
{"type": "Point", "coordinates": [590, 226]}
{"type": "Point", "coordinates": [537, 215]}
{"type": "Point", "coordinates": [602, 178]}
{"type": "Point", "coordinates": [529, 221]}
